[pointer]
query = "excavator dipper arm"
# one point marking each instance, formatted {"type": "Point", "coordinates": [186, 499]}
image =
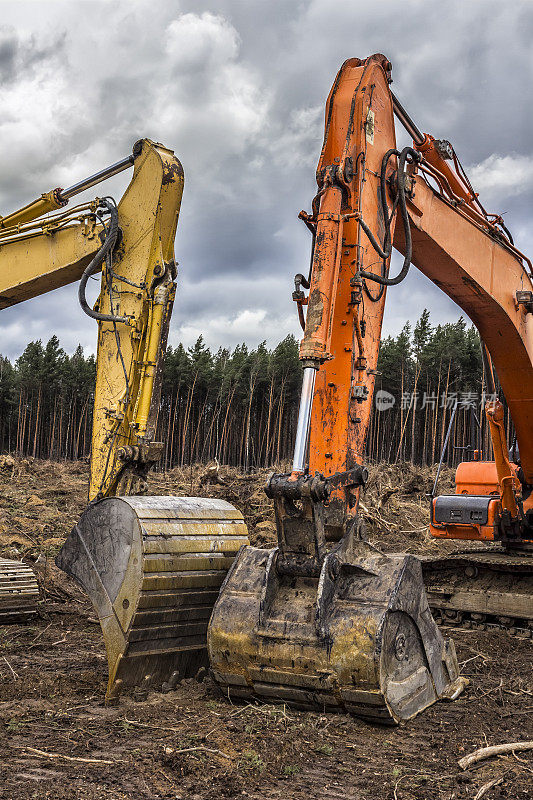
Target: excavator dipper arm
{"type": "Point", "coordinates": [325, 620]}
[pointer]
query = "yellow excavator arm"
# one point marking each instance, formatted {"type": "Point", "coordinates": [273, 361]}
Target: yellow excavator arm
{"type": "Point", "coordinates": [133, 310]}
{"type": "Point", "coordinates": [151, 566]}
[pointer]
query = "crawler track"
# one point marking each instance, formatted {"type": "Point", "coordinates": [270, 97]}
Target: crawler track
{"type": "Point", "coordinates": [19, 591]}
{"type": "Point", "coordinates": [482, 588]}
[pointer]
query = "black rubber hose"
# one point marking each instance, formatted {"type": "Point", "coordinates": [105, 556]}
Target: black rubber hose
{"type": "Point", "coordinates": [387, 248]}
{"type": "Point", "coordinates": [507, 232]}
{"type": "Point", "coordinates": [95, 265]}
{"type": "Point", "coordinates": [387, 219]}
{"type": "Point", "coordinates": [407, 154]}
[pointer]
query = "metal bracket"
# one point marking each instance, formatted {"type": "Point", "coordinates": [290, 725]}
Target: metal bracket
{"type": "Point", "coordinates": [300, 505]}
{"type": "Point", "coordinates": [444, 148]}
{"type": "Point", "coordinates": [359, 392]}
{"type": "Point", "coordinates": [525, 298]}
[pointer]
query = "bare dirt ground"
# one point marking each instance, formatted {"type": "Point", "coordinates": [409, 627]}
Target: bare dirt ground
{"type": "Point", "coordinates": [57, 740]}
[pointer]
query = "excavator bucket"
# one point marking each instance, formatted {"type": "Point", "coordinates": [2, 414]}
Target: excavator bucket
{"type": "Point", "coordinates": [152, 567]}
{"type": "Point", "coordinates": [19, 591]}
{"type": "Point", "coordinates": [357, 638]}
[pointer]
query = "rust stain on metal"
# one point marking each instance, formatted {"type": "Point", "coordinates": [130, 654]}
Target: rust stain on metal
{"type": "Point", "coordinates": [473, 286]}
{"type": "Point", "coordinates": [171, 172]}
{"type": "Point", "coordinates": [315, 311]}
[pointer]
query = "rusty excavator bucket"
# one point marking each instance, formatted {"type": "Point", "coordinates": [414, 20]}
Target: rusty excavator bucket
{"type": "Point", "coordinates": [152, 567]}
{"type": "Point", "coordinates": [342, 627]}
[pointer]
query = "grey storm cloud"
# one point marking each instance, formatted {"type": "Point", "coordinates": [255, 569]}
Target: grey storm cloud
{"type": "Point", "coordinates": [238, 89]}
{"type": "Point", "coordinates": [21, 55]}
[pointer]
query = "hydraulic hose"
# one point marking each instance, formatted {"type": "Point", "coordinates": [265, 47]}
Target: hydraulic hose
{"type": "Point", "coordinates": [507, 232]}
{"type": "Point", "coordinates": [103, 254]}
{"type": "Point", "coordinates": [410, 155]}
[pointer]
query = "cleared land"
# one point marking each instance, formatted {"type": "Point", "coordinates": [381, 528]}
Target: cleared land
{"type": "Point", "coordinates": [58, 741]}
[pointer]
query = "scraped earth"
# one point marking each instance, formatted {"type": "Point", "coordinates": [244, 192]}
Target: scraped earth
{"type": "Point", "coordinates": [57, 740]}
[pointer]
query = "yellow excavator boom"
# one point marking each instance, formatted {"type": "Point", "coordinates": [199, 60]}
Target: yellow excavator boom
{"type": "Point", "coordinates": [151, 566]}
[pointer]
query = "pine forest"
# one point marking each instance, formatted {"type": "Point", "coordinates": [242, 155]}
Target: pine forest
{"type": "Point", "coordinates": [240, 407]}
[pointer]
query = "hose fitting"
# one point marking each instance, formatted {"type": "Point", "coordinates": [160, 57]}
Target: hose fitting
{"type": "Point", "coordinates": [103, 254]}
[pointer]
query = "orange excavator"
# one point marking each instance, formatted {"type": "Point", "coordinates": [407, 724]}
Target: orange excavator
{"type": "Point", "coordinates": [325, 620]}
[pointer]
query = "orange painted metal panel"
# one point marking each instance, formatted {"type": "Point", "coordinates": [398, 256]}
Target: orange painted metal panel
{"type": "Point", "coordinates": [482, 276]}
{"type": "Point", "coordinates": [360, 127]}
{"type": "Point", "coordinates": [476, 477]}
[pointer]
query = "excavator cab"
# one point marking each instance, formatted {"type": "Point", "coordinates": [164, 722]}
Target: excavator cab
{"type": "Point", "coordinates": [325, 620]}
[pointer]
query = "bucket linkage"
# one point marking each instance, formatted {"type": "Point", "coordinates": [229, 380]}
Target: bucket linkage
{"type": "Point", "coordinates": [329, 626]}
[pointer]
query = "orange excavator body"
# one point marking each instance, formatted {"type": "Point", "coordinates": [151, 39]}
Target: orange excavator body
{"type": "Point", "coordinates": [324, 620]}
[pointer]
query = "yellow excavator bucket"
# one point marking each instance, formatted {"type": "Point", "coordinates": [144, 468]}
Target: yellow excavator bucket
{"type": "Point", "coordinates": [152, 567]}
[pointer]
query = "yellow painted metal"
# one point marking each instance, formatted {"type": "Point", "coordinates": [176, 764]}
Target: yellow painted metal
{"type": "Point", "coordinates": [153, 583]}
{"type": "Point", "coordinates": [36, 258]}
{"type": "Point", "coordinates": [129, 355]}
{"type": "Point", "coordinates": [39, 255]}
{"type": "Point", "coordinates": [47, 202]}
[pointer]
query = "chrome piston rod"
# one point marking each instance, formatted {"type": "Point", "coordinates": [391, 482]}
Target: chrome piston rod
{"type": "Point", "coordinates": [98, 177]}
{"type": "Point", "coordinates": [403, 117]}
{"type": "Point", "coordinates": [304, 419]}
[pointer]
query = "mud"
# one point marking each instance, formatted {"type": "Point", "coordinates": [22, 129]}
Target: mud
{"type": "Point", "coordinates": [58, 741]}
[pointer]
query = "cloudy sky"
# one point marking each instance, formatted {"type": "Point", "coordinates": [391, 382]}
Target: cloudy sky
{"type": "Point", "coordinates": [237, 88]}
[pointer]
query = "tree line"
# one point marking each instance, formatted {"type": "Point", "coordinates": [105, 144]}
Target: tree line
{"type": "Point", "coordinates": [435, 375]}
{"type": "Point", "coordinates": [240, 406]}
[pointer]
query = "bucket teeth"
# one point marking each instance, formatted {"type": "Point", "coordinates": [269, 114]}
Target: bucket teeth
{"type": "Point", "coordinates": [152, 567]}
{"type": "Point", "coordinates": [360, 638]}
